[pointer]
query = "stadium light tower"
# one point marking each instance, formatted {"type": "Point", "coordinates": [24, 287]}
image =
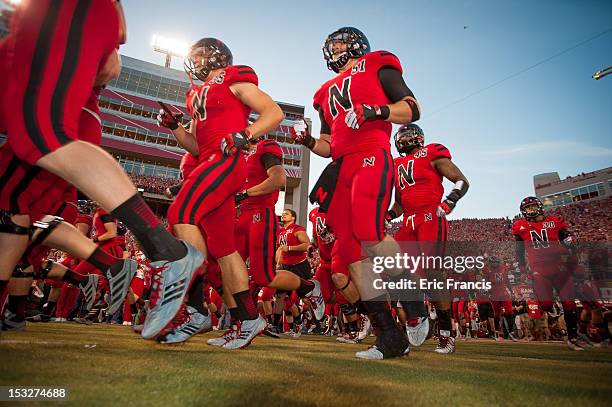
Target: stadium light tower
{"type": "Point", "coordinates": [170, 47]}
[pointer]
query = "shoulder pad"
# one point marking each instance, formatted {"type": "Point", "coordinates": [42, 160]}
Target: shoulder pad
{"type": "Point", "coordinates": [436, 151]}
{"type": "Point", "coordinates": [240, 73]}
{"type": "Point", "coordinates": [381, 59]}
{"type": "Point", "coordinates": [320, 96]}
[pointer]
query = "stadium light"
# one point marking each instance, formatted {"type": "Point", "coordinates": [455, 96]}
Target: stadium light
{"type": "Point", "coordinates": [170, 47]}
{"type": "Point", "coordinates": [601, 73]}
{"type": "Point", "coordinates": [14, 2]}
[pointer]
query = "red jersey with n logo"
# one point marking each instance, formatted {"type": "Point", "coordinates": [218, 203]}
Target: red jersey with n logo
{"type": "Point", "coordinates": [216, 110]}
{"type": "Point", "coordinates": [417, 181]}
{"type": "Point", "coordinates": [356, 86]}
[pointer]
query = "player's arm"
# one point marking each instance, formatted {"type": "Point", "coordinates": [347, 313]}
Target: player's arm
{"type": "Point", "coordinates": [304, 240]}
{"type": "Point", "coordinates": [396, 209]}
{"type": "Point", "coordinates": [110, 226]}
{"type": "Point", "coordinates": [450, 171]}
{"type": "Point", "coordinates": [185, 138]}
{"type": "Point", "coordinates": [270, 114]}
{"type": "Point", "coordinates": [300, 133]}
{"type": "Point", "coordinates": [403, 108]}
{"type": "Point", "coordinates": [520, 252]}
{"type": "Point", "coordinates": [275, 181]}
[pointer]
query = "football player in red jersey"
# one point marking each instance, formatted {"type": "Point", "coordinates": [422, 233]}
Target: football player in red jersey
{"type": "Point", "coordinates": [357, 108]}
{"type": "Point", "coordinates": [419, 173]}
{"type": "Point", "coordinates": [291, 256]}
{"type": "Point", "coordinates": [257, 228]}
{"type": "Point", "coordinates": [501, 297]}
{"type": "Point", "coordinates": [545, 239]}
{"type": "Point", "coordinates": [53, 74]}
{"type": "Point", "coordinates": [218, 134]}
{"type": "Point", "coordinates": [334, 277]}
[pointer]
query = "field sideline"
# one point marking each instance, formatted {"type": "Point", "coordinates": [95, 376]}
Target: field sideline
{"type": "Point", "coordinates": [122, 368]}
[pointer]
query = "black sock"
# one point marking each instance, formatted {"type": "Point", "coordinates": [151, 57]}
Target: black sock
{"type": "Point", "coordinates": [571, 321]}
{"type": "Point", "coordinates": [133, 309]}
{"type": "Point", "coordinates": [444, 320]}
{"type": "Point", "coordinates": [353, 327]}
{"type": "Point", "coordinates": [304, 288]}
{"type": "Point", "coordinates": [298, 319]}
{"type": "Point", "coordinates": [602, 329]}
{"type": "Point", "coordinates": [196, 295]}
{"type": "Point", "coordinates": [582, 326]}
{"type": "Point", "coordinates": [156, 242]}
{"type": "Point", "coordinates": [49, 308]}
{"type": "Point", "coordinates": [269, 319]}
{"type": "Point", "coordinates": [292, 325]}
{"type": "Point", "coordinates": [246, 309]}
{"type": "Point", "coordinates": [74, 278]}
{"type": "Point", "coordinates": [234, 315]}
{"type": "Point", "coordinates": [103, 261]}
{"type": "Point", "coordinates": [17, 305]}
{"type": "Point", "coordinates": [379, 314]}
{"type": "Point", "coordinates": [277, 321]}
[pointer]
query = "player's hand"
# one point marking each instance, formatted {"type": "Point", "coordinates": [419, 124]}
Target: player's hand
{"type": "Point", "coordinates": [301, 134]}
{"type": "Point", "coordinates": [234, 142]}
{"type": "Point", "coordinates": [240, 196]}
{"type": "Point", "coordinates": [362, 113]}
{"type": "Point", "coordinates": [445, 208]}
{"type": "Point", "coordinates": [569, 241]}
{"type": "Point", "coordinates": [169, 120]}
{"type": "Point", "coordinates": [284, 248]}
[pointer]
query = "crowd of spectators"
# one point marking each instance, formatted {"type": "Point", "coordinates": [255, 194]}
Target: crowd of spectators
{"type": "Point", "coordinates": [589, 221]}
{"type": "Point", "coordinates": [153, 184]}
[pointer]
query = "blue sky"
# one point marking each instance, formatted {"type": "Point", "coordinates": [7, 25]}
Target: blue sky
{"type": "Point", "coordinates": [554, 117]}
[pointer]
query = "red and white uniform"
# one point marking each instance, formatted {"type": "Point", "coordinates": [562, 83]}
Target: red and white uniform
{"type": "Point", "coordinates": [544, 251]}
{"type": "Point", "coordinates": [363, 189]}
{"type": "Point", "coordinates": [257, 227]}
{"type": "Point", "coordinates": [329, 259]}
{"type": "Point", "coordinates": [287, 237]}
{"type": "Point", "coordinates": [207, 196]}
{"type": "Point", "coordinates": [420, 187]}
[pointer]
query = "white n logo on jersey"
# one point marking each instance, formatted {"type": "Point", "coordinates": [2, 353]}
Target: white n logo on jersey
{"type": "Point", "coordinates": [540, 241]}
{"type": "Point", "coordinates": [340, 96]}
{"type": "Point", "coordinates": [198, 103]}
{"type": "Point", "coordinates": [404, 174]}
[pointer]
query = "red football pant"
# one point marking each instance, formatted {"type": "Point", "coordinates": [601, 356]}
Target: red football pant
{"type": "Point", "coordinates": [28, 189]}
{"type": "Point", "coordinates": [426, 228]}
{"type": "Point", "coordinates": [66, 300]}
{"type": "Point", "coordinates": [360, 201]}
{"type": "Point", "coordinates": [547, 276]}
{"type": "Point", "coordinates": [255, 235]}
{"type": "Point", "coordinates": [207, 200]}
{"type": "Point", "coordinates": [55, 50]}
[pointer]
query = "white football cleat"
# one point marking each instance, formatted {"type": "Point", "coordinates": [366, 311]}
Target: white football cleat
{"type": "Point", "coordinates": [418, 334]}
{"type": "Point", "coordinates": [248, 330]}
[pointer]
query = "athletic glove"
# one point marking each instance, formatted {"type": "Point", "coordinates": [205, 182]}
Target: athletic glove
{"type": "Point", "coordinates": [301, 134]}
{"type": "Point", "coordinates": [234, 142]}
{"type": "Point", "coordinates": [240, 196]}
{"type": "Point", "coordinates": [445, 208]}
{"type": "Point", "coordinates": [362, 113]}
{"type": "Point", "coordinates": [169, 120]}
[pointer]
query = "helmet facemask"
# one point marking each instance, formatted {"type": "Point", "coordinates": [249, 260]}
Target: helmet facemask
{"type": "Point", "coordinates": [205, 58]}
{"type": "Point", "coordinates": [356, 43]}
{"type": "Point", "coordinates": [408, 139]}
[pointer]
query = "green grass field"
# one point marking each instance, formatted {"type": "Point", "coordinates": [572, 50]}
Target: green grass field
{"type": "Point", "coordinates": [123, 369]}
